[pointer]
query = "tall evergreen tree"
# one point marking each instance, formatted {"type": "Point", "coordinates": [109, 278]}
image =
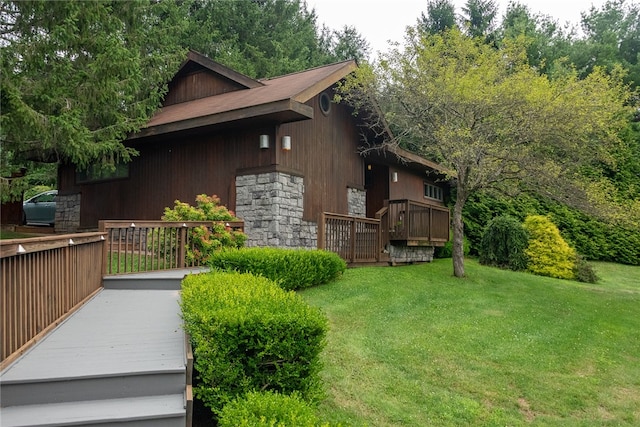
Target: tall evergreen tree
{"type": "Point", "coordinates": [480, 18]}
{"type": "Point", "coordinates": [77, 77]}
{"type": "Point", "coordinates": [441, 16]}
{"type": "Point", "coordinates": [260, 38]}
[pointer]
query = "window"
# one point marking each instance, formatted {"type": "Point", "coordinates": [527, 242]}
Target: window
{"type": "Point", "coordinates": [432, 192]}
{"type": "Point", "coordinates": [325, 103]}
{"type": "Point", "coordinates": [97, 173]}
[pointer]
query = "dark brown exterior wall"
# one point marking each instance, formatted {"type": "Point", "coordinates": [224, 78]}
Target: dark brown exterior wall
{"type": "Point", "coordinates": [178, 169]}
{"type": "Point", "coordinates": [324, 150]}
{"type": "Point", "coordinates": [198, 84]}
{"type": "Point", "coordinates": [409, 186]}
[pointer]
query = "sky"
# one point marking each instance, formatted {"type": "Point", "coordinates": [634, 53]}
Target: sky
{"type": "Point", "coordinates": [381, 20]}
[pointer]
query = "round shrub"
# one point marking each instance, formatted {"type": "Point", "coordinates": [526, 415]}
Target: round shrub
{"type": "Point", "coordinates": [291, 268]}
{"type": "Point", "coordinates": [503, 244]}
{"type": "Point", "coordinates": [249, 334]}
{"type": "Point", "coordinates": [549, 254]}
{"type": "Point", "coordinates": [267, 409]}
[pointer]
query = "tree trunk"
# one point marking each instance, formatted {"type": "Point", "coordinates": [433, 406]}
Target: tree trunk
{"type": "Point", "coordinates": [458, 234]}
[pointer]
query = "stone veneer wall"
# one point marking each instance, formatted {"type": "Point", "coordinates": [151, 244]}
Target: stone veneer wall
{"type": "Point", "coordinates": [271, 205]}
{"type": "Point", "coordinates": [357, 202]}
{"type": "Point", "coordinates": [408, 254]}
{"type": "Point", "coordinates": [67, 213]}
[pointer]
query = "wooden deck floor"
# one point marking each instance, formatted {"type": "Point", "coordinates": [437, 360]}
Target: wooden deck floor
{"type": "Point", "coordinates": [133, 330]}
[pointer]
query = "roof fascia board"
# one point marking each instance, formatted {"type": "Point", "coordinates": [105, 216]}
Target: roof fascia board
{"type": "Point", "coordinates": [409, 156]}
{"type": "Point", "coordinates": [218, 68]}
{"type": "Point", "coordinates": [313, 90]}
{"type": "Point", "coordinates": [228, 116]}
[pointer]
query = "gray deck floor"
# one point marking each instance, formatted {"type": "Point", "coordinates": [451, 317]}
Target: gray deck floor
{"type": "Point", "coordinates": [132, 330]}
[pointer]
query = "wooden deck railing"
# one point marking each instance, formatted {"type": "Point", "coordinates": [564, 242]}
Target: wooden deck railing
{"type": "Point", "coordinates": [355, 239]}
{"type": "Point", "coordinates": [41, 281]}
{"type": "Point", "coordinates": [416, 222]}
{"type": "Point", "coordinates": [134, 246]}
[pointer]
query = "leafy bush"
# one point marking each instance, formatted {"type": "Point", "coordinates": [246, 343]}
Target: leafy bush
{"type": "Point", "coordinates": [584, 272]}
{"type": "Point", "coordinates": [549, 254]}
{"type": "Point", "coordinates": [249, 334]}
{"type": "Point", "coordinates": [290, 268]}
{"type": "Point", "coordinates": [205, 240]}
{"type": "Point", "coordinates": [504, 243]}
{"type": "Point", "coordinates": [268, 409]}
{"type": "Point", "coordinates": [446, 251]}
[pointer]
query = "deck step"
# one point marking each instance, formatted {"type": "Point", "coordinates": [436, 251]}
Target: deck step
{"type": "Point", "coordinates": [154, 280]}
{"type": "Point", "coordinates": [160, 411]}
{"type": "Point", "coordinates": [123, 385]}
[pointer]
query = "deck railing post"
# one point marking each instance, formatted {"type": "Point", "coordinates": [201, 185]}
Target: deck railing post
{"type": "Point", "coordinates": [182, 245]}
{"type": "Point", "coordinates": [321, 231]}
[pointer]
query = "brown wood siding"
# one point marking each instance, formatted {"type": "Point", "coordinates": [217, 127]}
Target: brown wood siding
{"type": "Point", "coordinates": [198, 84]}
{"type": "Point", "coordinates": [409, 187]}
{"type": "Point", "coordinates": [325, 151]}
{"type": "Point", "coordinates": [179, 169]}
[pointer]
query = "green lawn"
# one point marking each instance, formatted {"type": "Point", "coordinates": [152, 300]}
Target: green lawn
{"type": "Point", "coordinates": [7, 234]}
{"type": "Point", "coordinates": [414, 346]}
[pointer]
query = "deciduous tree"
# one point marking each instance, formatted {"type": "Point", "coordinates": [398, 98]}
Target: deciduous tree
{"type": "Point", "coordinates": [490, 119]}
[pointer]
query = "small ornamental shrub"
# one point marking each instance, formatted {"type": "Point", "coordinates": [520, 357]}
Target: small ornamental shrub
{"type": "Point", "coordinates": [249, 334]}
{"type": "Point", "coordinates": [205, 240]}
{"type": "Point", "coordinates": [549, 254]}
{"type": "Point", "coordinates": [446, 251]}
{"type": "Point", "coordinates": [584, 272]}
{"type": "Point", "coordinates": [291, 268]}
{"type": "Point", "coordinates": [503, 244]}
{"type": "Point", "coordinates": [268, 409]}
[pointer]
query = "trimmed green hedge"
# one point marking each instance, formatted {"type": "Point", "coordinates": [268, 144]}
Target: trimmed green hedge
{"type": "Point", "coordinates": [291, 268]}
{"type": "Point", "coordinates": [267, 409]}
{"type": "Point", "coordinates": [249, 334]}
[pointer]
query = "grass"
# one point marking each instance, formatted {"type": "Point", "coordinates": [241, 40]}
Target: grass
{"type": "Point", "coordinates": [8, 234]}
{"type": "Point", "coordinates": [413, 346]}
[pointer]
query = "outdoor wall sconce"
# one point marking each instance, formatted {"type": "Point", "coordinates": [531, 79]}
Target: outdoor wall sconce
{"type": "Point", "coordinates": [394, 177]}
{"type": "Point", "coordinates": [264, 141]}
{"type": "Point", "coordinates": [286, 143]}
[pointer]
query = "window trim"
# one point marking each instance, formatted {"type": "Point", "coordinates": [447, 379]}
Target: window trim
{"type": "Point", "coordinates": [433, 192]}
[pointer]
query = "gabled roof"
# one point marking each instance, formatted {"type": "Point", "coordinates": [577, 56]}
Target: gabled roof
{"type": "Point", "coordinates": [194, 57]}
{"type": "Point", "coordinates": [276, 100]}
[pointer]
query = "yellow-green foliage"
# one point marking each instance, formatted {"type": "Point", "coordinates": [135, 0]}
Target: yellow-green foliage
{"type": "Point", "coordinates": [549, 254]}
{"type": "Point", "coordinates": [268, 409]}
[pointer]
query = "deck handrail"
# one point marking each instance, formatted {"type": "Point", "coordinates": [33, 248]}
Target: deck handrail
{"type": "Point", "coordinates": [142, 245]}
{"type": "Point", "coordinates": [43, 280]}
{"type": "Point", "coordinates": [355, 239]}
{"type": "Point", "coordinates": [414, 221]}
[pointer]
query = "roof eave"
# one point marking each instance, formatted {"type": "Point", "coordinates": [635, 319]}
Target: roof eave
{"type": "Point", "coordinates": [327, 81]}
{"type": "Point", "coordinates": [282, 111]}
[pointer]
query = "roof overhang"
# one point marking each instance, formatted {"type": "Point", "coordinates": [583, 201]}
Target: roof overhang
{"type": "Point", "coordinates": [393, 155]}
{"type": "Point", "coordinates": [283, 111]}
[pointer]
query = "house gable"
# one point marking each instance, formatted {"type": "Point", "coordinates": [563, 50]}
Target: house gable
{"type": "Point", "coordinates": [200, 77]}
{"type": "Point", "coordinates": [237, 101]}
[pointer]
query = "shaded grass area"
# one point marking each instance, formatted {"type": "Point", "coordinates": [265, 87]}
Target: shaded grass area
{"type": "Point", "coordinates": [8, 234]}
{"type": "Point", "coordinates": [415, 346]}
